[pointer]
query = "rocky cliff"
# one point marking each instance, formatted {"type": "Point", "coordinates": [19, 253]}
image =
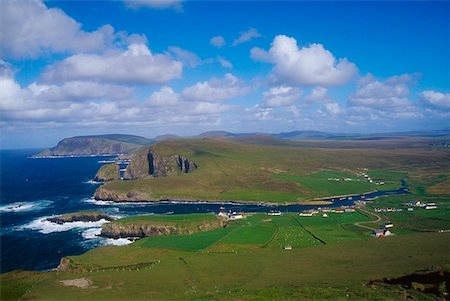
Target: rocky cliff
{"type": "Point", "coordinates": [107, 172]}
{"type": "Point", "coordinates": [149, 163]}
{"type": "Point", "coordinates": [123, 230]}
{"type": "Point", "coordinates": [95, 146]}
{"type": "Point", "coordinates": [130, 196]}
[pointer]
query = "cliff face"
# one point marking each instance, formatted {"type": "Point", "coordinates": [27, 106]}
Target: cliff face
{"type": "Point", "coordinates": [120, 230]}
{"type": "Point", "coordinates": [95, 146]}
{"type": "Point", "coordinates": [107, 173]}
{"type": "Point", "coordinates": [148, 163]}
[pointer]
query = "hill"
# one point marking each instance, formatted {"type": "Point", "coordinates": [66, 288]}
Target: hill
{"type": "Point", "coordinates": [235, 171]}
{"type": "Point", "coordinates": [96, 145]}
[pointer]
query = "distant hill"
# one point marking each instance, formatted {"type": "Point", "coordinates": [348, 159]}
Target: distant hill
{"type": "Point", "coordinates": [166, 137]}
{"type": "Point", "coordinates": [95, 145]}
{"type": "Point", "coordinates": [216, 134]}
{"type": "Point", "coordinates": [318, 135]}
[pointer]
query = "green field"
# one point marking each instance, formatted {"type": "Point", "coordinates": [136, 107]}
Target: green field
{"type": "Point", "coordinates": [331, 258]}
{"type": "Point", "coordinates": [181, 220]}
{"type": "Point", "coordinates": [252, 173]}
{"type": "Point", "coordinates": [244, 261]}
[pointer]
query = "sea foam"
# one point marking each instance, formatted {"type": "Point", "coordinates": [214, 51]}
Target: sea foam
{"type": "Point", "coordinates": [117, 242]}
{"type": "Point", "coordinates": [44, 226]}
{"type": "Point", "coordinates": [24, 206]}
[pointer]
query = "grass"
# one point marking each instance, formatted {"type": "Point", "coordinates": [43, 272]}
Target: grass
{"type": "Point", "coordinates": [337, 271]}
{"type": "Point", "coordinates": [246, 261]}
{"type": "Point", "coordinates": [194, 242]}
{"type": "Point", "coordinates": [181, 220]}
{"type": "Point", "coordinates": [320, 183]}
{"type": "Point", "coordinates": [253, 173]}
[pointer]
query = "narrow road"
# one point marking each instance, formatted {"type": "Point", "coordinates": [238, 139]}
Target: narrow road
{"type": "Point", "coordinates": [361, 224]}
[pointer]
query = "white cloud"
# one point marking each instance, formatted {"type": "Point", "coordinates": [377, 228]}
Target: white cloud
{"type": "Point", "coordinates": [259, 113]}
{"type": "Point", "coordinates": [246, 36]}
{"type": "Point", "coordinates": [437, 100]}
{"type": "Point", "coordinates": [166, 96]}
{"type": "Point", "coordinates": [332, 108]}
{"type": "Point", "coordinates": [217, 41]}
{"type": "Point", "coordinates": [259, 54]}
{"type": "Point", "coordinates": [224, 63]}
{"type": "Point", "coordinates": [30, 29]}
{"type": "Point", "coordinates": [281, 96]}
{"type": "Point", "coordinates": [216, 89]}
{"type": "Point", "coordinates": [317, 94]}
{"type": "Point", "coordinates": [136, 65]}
{"type": "Point", "coordinates": [388, 95]}
{"type": "Point", "coordinates": [155, 4]}
{"type": "Point", "coordinates": [188, 58]}
{"type": "Point", "coordinates": [311, 65]}
{"type": "Point", "coordinates": [79, 91]}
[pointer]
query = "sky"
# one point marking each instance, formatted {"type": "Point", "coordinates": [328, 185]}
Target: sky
{"type": "Point", "coordinates": [153, 67]}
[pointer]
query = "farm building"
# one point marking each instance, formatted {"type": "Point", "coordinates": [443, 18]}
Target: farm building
{"type": "Point", "coordinates": [305, 214]}
{"type": "Point", "coordinates": [387, 225]}
{"type": "Point", "coordinates": [235, 216]}
{"type": "Point", "coordinates": [381, 233]}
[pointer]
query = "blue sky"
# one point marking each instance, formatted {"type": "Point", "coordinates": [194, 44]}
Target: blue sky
{"type": "Point", "coordinates": [152, 67]}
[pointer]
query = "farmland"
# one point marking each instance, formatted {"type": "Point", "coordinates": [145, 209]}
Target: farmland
{"type": "Point", "coordinates": [247, 258]}
{"type": "Point", "coordinates": [246, 172]}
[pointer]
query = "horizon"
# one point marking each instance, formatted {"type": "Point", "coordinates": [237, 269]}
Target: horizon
{"type": "Point", "coordinates": [151, 68]}
{"type": "Point", "coordinates": [234, 133]}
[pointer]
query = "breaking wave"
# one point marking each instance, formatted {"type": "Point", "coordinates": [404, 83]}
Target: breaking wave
{"type": "Point", "coordinates": [92, 182]}
{"type": "Point", "coordinates": [24, 206]}
{"type": "Point", "coordinates": [45, 227]}
{"type": "Point", "coordinates": [117, 242]}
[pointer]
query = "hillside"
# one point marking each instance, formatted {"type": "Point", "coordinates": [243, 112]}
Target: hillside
{"type": "Point", "coordinates": [232, 171]}
{"type": "Point", "coordinates": [98, 145]}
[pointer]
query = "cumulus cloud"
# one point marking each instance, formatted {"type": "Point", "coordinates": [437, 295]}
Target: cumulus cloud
{"type": "Point", "coordinates": [224, 63]}
{"type": "Point", "coordinates": [217, 41]}
{"type": "Point", "coordinates": [307, 66]}
{"type": "Point", "coordinates": [188, 58]}
{"type": "Point", "coordinates": [134, 65]}
{"type": "Point", "coordinates": [246, 36]}
{"type": "Point", "coordinates": [317, 94]}
{"type": "Point", "coordinates": [437, 100]}
{"type": "Point", "coordinates": [166, 96]}
{"type": "Point", "coordinates": [155, 4]}
{"type": "Point", "coordinates": [216, 89]}
{"type": "Point", "coordinates": [259, 113]}
{"type": "Point", "coordinates": [30, 29]}
{"type": "Point", "coordinates": [70, 102]}
{"type": "Point", "coordinates": [281, 96]}
{"type": "Point", "coordinates": [331, 108]}
{"type": "Point", "coordinates": [386, 95]}
{"type": "Point", "coordinates": [259, 54]}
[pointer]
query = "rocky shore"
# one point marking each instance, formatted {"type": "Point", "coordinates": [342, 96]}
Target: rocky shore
{"type": "Point", "coordinates": [80, 217]}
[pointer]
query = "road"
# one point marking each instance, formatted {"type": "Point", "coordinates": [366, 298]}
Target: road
{"type": "Point", "coordinates": [362, 224]}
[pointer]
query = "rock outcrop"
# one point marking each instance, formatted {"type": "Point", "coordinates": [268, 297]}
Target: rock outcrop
{"type": "Point", "coordinates": [107, 172]}
{"type": "Point", "coordinates": [130, 196]}
{"type": "Point", "coordinates": [80, 217]}
{"type": "Point", "coordinates": [123, 230]}
{"type": "Point", "coordinates": [149, 163]}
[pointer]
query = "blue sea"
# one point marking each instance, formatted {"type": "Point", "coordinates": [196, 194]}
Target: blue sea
{"type": "Point", "coordinates": [34, 189]}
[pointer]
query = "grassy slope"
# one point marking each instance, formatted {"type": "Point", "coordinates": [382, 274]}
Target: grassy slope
{"type": "Point", "coordinates": [245, 261]}
{"type": "Point", "coordinates": [249, 172]}
{"type": "Point", "coordinates": [182, 220]}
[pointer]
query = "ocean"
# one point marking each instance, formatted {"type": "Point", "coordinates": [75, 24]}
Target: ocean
{"type": "Point", "coordinates": [33, 189]}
